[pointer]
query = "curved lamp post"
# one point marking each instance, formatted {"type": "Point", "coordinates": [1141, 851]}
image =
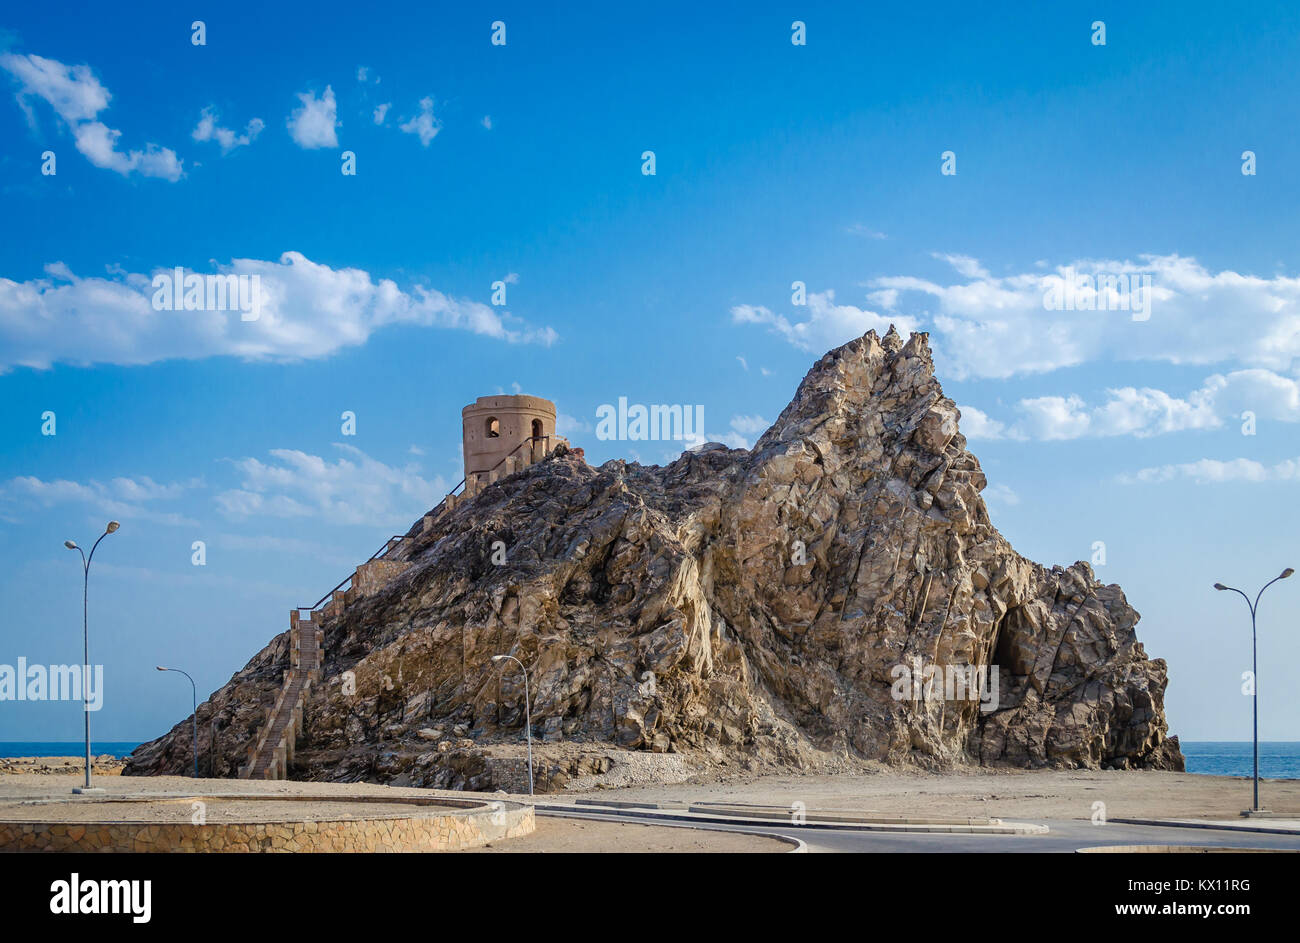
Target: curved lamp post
{"type": "Point", "coordinates": [194, 695]}
{"type": "Point", "coordinates": [85, 635]}
{"type": "Point", "coordinates": [1254, 664]}
{"type": "Point", "coordinates": [528, 715]}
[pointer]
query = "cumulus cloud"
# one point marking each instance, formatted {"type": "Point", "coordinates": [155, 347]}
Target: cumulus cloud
{"type": "Point", "coordinates": [976, 424]}
{"type": "Point", "coordinates": [1214, 471]}
{"type": "Point", "coordinates": [424, 125]}
{"type": "Point", "coordinates": [568, 426]}
{"type": "Point", "coordinates": [1000, 496]}
{"type": "Point", "coordinates": [744, 432]}
{"type": "Point", "coordinates": [997, 327]}
{"type": "Point", "coordinates": [825, 325]}
{"type": "Point", "coordinates": [125, 499]}
{"type": "Point", "coordinates": [314, 124]}
{"type": "Point", "coordinates": [381, 112]}
{"type": "Point", "coordinates": [354, 489]}
{"type": "Point", "coordinates": [1145, 412]}
{"type": "Point", "coordinates": [209, 130]}
{"type": "Point", "coordinates": [77, 97]}
{"type": "Point", "coordinates": [307, 310]}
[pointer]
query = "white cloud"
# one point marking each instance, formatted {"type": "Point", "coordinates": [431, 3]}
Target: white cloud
{"type": "Point", "coordinates": [744, 431]}
{"type": "Point", "coordinates": [487, 122]}
{"type": "Point", "coordinates": [1213, 471]}
{"type": "Point", "coordinates": [1000, 495]}
{"type": "Point", "coordinates": [355, 489]}
{"type": "Point", "coordinates": [743, 363]}
{"type": "Point", "coordinates": [209, 130]}
{"type": "Point", "coordinates": [975, 424]}
{"type": "Point", "coordinates": [314, 124]}
{"type": "Point", "coordinates": [382, 112]}
{"type": "Point", "coordinates": [308, 311]}
{"type": "Point", "coordinates": [998, 327]}
{"type": "Point", "coordinates": [964, 265]}
{"type": "Point", "coordinates": [425, 125]}
{"type": "Point", "coordinates": [827, 324]}
{"type": "Point", "coordinates": [1146, 412]}
{"type": "Point", "coordinates": [77, 97]}
{"type": "Point", "coordinates": [567, 425]}
{"type": "Point", "coordinates": [750, 425]}
{"type": "Point", "coordinates": [124, 499]}
{"type": "Point", "coordinates": [858, 229]}
{"type": "Point", "coordinates": [362, 73]}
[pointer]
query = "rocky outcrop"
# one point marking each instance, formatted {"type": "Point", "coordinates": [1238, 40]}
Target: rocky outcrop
{"type": "Point", "coordinates": [767, 606]}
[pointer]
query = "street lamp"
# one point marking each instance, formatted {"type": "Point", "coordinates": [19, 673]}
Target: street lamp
{"type": "Point", "coordinates": [1254, 664]}
{"type": "Point", "coordinates": [528, 715]}
{"type": "Point", "coordinates": [194, 694]}
{"type": "Point", "coordinates": [85, 637]}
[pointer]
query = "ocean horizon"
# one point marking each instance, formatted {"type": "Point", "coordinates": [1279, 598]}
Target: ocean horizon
{"type": "Point", "coordinates": [1278, 759]}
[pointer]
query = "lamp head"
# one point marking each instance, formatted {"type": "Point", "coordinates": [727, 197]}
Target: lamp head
{"type": "Point", "coordinates": [498, 657]}
{"type": "Point", "coordinates": [160, 667]}
{"type": "Point", "coordinates": [70, 544]}
{"type": "Point", "coordinates": [112, 527]}
{"type": "Point", "coordinates": [1285, 573]}
{"type": "Point", "coordinates": [1220, 587]}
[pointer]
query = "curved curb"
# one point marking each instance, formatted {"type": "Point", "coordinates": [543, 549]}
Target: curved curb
{"type": "Point", "coordinates": [1215, 826]}
{"type": "Point", "coordinates": [605, 815]}
{"type": "Point", "coordinates": [1005, 828]}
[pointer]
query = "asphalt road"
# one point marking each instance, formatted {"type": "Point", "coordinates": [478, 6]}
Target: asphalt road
{"type": "Point", "coordinates": [1065, 836]}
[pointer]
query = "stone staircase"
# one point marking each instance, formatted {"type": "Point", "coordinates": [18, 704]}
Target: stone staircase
{"type": "Point", "coordinates": [271, 754]}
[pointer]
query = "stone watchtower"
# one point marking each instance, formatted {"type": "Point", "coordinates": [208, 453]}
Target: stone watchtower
{"type": "Point", "coordinates": [503, 434]}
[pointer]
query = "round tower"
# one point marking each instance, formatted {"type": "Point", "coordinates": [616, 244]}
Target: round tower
{"type": "Point", "coordinates": [504, 433]}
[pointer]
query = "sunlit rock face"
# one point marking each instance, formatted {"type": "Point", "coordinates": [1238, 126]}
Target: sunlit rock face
{"type": "Point", "coordinates": [804, 604]}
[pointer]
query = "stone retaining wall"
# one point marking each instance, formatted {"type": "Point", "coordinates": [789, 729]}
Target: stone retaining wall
{"type": "Point", "coordinates": [434, 831]}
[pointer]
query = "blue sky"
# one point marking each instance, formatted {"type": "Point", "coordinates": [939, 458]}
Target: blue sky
{"type": "Point", "coordinates": [521, 162]}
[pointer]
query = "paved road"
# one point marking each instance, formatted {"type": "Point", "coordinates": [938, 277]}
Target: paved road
{"type": "Point", "coordinates": [1065, 837]}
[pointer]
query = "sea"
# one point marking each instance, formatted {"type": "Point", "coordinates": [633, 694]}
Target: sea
{"type": "Point", "coordinates": [66, 747]}
{"type": "Point", "coordinates": [1278, 759]}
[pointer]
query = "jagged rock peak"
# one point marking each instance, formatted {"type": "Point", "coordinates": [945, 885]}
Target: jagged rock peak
{"type": "Point", "coordinates": [751, 607]}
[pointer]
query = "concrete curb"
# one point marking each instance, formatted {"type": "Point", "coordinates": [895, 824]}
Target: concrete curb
{"type": "Point", "coordinates": [1006, 828]}
{"type": "Point", "coordinates": [1215, 826]}
{"type": "Point", "coordinates": [569, 812]}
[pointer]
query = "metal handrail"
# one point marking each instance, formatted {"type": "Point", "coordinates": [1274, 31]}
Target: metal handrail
{"type": "Point", "coordinates": [389, 545]}
{"type": "Point", "coordinates": [382, 551]}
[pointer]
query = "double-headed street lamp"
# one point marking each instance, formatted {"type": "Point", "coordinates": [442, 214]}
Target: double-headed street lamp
{"type": "Point", "coordinates": [85, 635]}
{"type": "Point", "coordinates": [1254, 664]}
{"type": "Point", "coordinates": [194, 695]}
{"type": "Point", "coordinates": [528, 715]}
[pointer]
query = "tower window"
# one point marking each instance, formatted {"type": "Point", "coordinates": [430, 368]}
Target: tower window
{"type": "Point", "coordinates": [493, 428]}
{"type": "Point", "coordinates": [537, 428]}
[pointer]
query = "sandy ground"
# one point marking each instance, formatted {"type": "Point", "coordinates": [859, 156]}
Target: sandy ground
{"type": "Point", "coordinates": [571, 835]}
{"type": "Point", "coordinates": [1012, 794]}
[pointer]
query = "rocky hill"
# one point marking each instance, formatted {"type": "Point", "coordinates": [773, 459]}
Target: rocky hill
{"type": "Point", "coordinates": [763, 609]}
